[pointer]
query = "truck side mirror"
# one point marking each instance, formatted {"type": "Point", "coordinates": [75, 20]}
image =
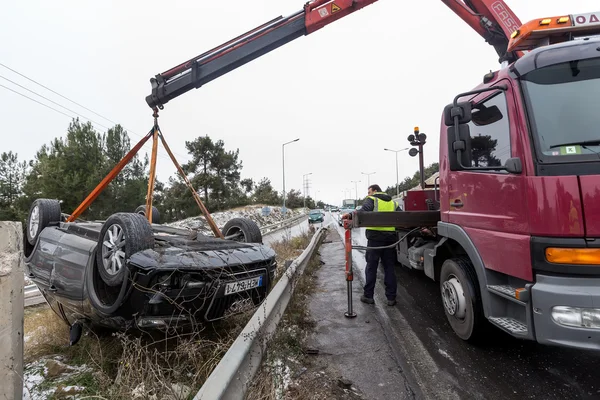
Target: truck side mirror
{"type": "Point", "coordinates": [462, 111]}
{"type": "Point", "coordinates": [463, 144]}
{"type": "Point", "coordinates": [513, 165]}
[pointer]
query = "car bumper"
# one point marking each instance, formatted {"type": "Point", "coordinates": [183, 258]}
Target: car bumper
{"type": "Point", "coordinates": [558, 291]}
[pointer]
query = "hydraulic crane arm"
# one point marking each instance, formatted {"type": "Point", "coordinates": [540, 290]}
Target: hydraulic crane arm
{"type": "Point", "coordinates": [247, 47]}
{"type": "Point", "coordinates": [492, 19]}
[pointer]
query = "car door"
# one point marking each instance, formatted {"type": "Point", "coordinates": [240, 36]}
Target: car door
{"type": "Point", "coordinates": [72, 256]}
{"type": "Point", "coordinates": [491, 205]}
{"type": "Point", "coordinates": [41, 263]}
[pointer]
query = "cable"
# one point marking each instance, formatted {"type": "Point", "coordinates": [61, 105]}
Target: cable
{"type": "Point", "coordinates": [67, 115]}
{"type": "Point", "coordinates": [72, 101]}
{"type": "Point", "coordinates": [53, 102]}
{"type": "Point", "coordinates": [39, 102]}
{"type": "Point", "coordinates": [385, 247]}
{"type": "Point", "coordinates": [58, 94]}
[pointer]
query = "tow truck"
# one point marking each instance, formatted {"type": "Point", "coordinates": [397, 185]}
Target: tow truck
{"type": "Point", "coordinates": [512, 230]}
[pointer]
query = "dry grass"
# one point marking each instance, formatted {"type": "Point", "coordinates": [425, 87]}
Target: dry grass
{"type": "Point", "coordinates": [288, 250]}
{"type": "Point", "coordinates": [128, 363]}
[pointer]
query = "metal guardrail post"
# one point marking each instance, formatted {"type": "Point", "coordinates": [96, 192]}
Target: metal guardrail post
{"type": "Point", "coordinates": [349, 273]}
{"type": "Point", "coordinates": [11, 310]}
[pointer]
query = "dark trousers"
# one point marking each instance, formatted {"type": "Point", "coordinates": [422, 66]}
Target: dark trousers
{"type": "Point", "coordinates": [388, 259]}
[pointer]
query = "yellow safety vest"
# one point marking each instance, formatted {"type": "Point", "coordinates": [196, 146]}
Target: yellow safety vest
{"type": "Point", "coordinates": [383, 206]}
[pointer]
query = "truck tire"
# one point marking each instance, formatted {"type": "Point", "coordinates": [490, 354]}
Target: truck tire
{"type": "Point", "coordinates": [461, 298]}
{"type": "Point", "coordinates": [155, 214]}
{"type": "Point", "coordinates": [121, 236]}
{"type": "Point", "coordinates": [243, 230]}
{"type": "Point", "coordinates": [42, 213]}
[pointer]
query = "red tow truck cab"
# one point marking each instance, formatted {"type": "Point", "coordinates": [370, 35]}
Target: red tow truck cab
{"type": "Point", "coordinates": [518, 241]}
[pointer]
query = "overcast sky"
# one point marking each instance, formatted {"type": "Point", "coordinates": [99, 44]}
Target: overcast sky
{"type": "Point", "coordinates": [347, 91]}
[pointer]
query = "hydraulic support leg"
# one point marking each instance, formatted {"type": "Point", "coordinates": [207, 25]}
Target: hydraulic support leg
{"type": "Point", "coordinates": [349, 274]}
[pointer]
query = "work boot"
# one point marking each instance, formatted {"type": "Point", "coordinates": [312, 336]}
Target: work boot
{"type": "Point", "coordinates": [391, 302]}
{"type": "Point", "coordinates": [366, 299]}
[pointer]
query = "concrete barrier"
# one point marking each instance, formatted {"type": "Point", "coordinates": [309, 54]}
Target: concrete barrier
{"type": "Point", "coordinates": [11, 311]}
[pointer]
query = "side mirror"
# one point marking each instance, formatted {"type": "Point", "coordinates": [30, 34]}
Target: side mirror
{"type": "Point", "coordinates": [514, 165]}
{"type": "Point", "coordinates": [462, 110]}
{"type": "Point", "coordinates": [463, 144]}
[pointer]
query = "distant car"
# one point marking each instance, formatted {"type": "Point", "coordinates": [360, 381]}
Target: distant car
{"type": "Point", "coordinates": [343, 211]}
{"type": "Point", "coordinates": [315, 216]}
{"type": "Point", "coordinates": [126, 273]}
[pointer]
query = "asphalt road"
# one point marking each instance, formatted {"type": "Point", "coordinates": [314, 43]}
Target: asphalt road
{"type": "Point", "coordinates": [503, 368]}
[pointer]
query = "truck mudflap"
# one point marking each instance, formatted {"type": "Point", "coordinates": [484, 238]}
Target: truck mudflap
{"type": "Point", "coordinates": [566, 311]}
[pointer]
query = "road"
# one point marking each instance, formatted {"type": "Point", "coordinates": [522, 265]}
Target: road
{"type": "Point", "coordinates": [503, 368]}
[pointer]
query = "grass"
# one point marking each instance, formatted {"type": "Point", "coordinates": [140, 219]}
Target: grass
{"type": "Point", "coordinates": [120, 363]}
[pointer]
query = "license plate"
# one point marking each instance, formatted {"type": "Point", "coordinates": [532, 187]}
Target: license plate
{"type": "Point", "coordinates": [588, 19]}
{"type": "Point", "coordinates": [242, 286]}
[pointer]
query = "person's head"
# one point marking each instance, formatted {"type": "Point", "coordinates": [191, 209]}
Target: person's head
{"type": "Point", "coordinates": [373, 189]}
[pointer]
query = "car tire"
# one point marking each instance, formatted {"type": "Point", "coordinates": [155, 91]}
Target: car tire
{"type": "Point", "coordinates": [42, 213]}
{"type": "Point", "coordinates": [121, 236]}
{"type": "Point", "coordinates": [246, 230]}
{"type": "Point", "coordinates": [155, 214]}
{"type": "Point", "coordinates": [461, 299]}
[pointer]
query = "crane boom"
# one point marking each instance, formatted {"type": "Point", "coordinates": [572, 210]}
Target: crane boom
{"type": "Point", "coordinates": [492, 19]}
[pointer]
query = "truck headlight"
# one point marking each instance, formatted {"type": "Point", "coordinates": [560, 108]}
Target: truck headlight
{"type": "Point", "coordinates": [576, 317]}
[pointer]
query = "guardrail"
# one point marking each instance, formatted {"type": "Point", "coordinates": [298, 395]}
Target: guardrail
{"type": "Point", "coordinates": [231, 377]}
{"type": "Point", "coordinates": [281, 224]}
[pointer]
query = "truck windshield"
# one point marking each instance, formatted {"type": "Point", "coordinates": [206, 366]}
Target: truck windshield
{"type": "Point", "coordinates": [563, 108]}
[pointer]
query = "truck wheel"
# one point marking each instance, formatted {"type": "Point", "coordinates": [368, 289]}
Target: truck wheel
{"type": "Point", "coordinates": [121, 236]}
{"type": "Point", "coordinates": [242, 230]}
{"type": "Point", "coordinates": [42, 213]}
{"type": "Point", "coordinates": [155, 214]}
{"type": "Point", "coordinates": [461, 298]}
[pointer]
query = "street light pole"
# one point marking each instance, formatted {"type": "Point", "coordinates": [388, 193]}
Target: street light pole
{"type": "Point", "coordinates": [368, 174]}
{"type": "Point", "coordinates": [355, 192]}
{"type": "Point", "coordinates": [305, 186]}
{"type": "Point", "coordinates": [283, 162]}
{"type": "Point", "coordinates": [397, 176]}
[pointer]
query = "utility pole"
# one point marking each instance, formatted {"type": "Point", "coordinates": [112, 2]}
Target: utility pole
{"type": "Point", "coordinates": [368, 174]}
{"type": "Point", "coordinates": [283, 162]}
{"type": "Point", "coordinates": [305, 186]}
{"type": "Point", "coordinates": [355, 192]}
{"type": "Point", "coordinates": [397, 176]}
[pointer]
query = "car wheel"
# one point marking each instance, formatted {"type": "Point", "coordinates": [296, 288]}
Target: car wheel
{"type": "Point", "coordinates": [121, 236]}
{"type": "Point", "coordinates": [155, 214]}
{"type": "Point", "coordinates": [42, 213]}
{"type": "Point", "coordinates": [242, 230]}
{"type": "Point", "coordinates": [461, 298]}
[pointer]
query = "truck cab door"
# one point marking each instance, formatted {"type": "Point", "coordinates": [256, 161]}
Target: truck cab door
{"type": "Point", "coordinates": [491, 205]}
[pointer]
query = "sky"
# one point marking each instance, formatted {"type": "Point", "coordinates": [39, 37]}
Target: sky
{"type": "Point", "coordinates": [346, 91]}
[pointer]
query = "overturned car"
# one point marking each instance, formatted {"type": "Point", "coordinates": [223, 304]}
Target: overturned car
{"type": "Point", "coordinates": [126, 273]}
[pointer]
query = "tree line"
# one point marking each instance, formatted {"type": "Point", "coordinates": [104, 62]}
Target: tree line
{"type": "Point", "coordinates": [69, 168]}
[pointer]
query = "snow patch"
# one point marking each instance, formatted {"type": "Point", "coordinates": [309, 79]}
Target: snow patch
{"type": "Point", "coordinates": [262, 215]}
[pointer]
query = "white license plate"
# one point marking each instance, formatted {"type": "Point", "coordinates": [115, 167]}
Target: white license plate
{"type": "Point", "coordinates": [242, 286]}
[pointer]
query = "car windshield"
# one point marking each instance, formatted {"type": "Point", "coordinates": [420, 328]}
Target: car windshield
{"type": "Point", "coordinates": [563, 108]}
{"type": "Point", "coordinates": [315, 212]}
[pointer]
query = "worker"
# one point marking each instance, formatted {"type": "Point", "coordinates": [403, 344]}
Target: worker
{"type": "Point", "coordinates": [379, 201]}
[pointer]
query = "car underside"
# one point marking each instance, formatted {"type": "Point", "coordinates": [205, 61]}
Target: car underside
{"type": "Point", "coordinates": [126, 273]}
